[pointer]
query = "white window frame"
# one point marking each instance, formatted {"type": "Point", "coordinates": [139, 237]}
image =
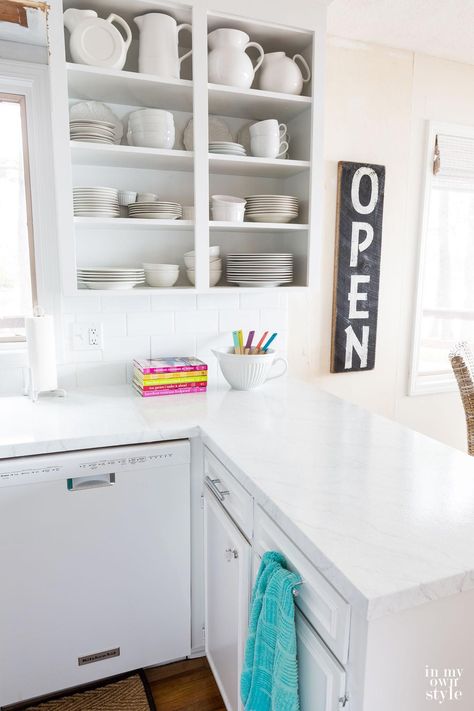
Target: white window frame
{"type": "Point", "coordinates": [442, 381]}
{"type": "Point", "coordinates": [32, 82]}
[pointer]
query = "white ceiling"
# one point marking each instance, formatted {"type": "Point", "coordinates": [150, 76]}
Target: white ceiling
{"type": "Point", "coordinates": [439, 27]}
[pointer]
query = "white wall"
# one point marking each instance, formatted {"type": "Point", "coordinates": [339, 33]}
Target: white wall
{"type": "Point", "coordinates": [377, 103]}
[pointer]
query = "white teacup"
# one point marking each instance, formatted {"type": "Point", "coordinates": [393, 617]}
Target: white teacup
{"type": "Point", "coordinates": [268, 127]}
{"type": "Point", "coordinates": [268, 146]}
{"type": "Point", "coordinates": [246, 372]}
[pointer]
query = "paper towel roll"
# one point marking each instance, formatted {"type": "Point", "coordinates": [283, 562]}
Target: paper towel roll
{"type": "Point", "coordinates": [41, 353]}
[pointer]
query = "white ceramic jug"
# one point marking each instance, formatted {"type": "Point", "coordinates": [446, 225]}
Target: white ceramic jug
{"type": "Point", "coordinates": [227, 62]}
{"type": "Point", "coordinates": [95, 41]}
{"type": "Point", "coordinates": [281, 73]}
{"type": "Point", "coordinates": [158, 48]}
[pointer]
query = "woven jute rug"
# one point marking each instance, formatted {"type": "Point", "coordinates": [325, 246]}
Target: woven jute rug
{"type": "Point", "coordinates": [124, 693]}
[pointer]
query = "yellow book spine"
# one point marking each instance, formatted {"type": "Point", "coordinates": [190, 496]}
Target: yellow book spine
{"type": "Point", "coordinates": [184, 375]}
{"type": "Point", "coordinates": [172, 381]}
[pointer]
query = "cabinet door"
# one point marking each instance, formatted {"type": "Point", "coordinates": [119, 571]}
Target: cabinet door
{"type": "Point", "coordinates": [322, 680]}
{"type": "Point", "coordinates": [227, 592]}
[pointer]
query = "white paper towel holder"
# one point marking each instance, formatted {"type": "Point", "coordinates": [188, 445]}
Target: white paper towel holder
{"type": "Point", "coordinates": [31, 388]}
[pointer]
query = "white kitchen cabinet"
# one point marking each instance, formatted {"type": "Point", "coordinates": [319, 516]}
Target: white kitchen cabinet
{"type": "Point", "coordinates": [322, 680]}
{"type": "Point", "coordinates": [227, 560]}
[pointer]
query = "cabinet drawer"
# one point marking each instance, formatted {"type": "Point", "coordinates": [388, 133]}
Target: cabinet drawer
{"type": "Point", "coordinates": [232, 495]}
{"type": "Point", "coordinates": [321, 604]}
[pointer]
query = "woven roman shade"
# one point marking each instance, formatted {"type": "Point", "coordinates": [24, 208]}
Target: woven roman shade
{"type": "Point", "coordinates": [454, 157]}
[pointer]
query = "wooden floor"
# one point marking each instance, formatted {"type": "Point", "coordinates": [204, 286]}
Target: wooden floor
{"type": "Point", "coordinates": [185, 686]}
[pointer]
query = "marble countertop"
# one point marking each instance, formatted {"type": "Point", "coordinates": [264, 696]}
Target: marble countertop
{"type": "Point", "coordinates": [385, 513]}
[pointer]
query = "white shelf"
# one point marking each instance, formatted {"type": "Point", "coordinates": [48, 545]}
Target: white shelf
{"type": "Point", "coordinates": [256, 226]}
{"type": "Point", "coordinates": [255, 104]}
{"type": "Point", "coordinates": [106, 154]}
{"type": "Point", "coordinates": [136, 291]}
{"type": "Point", "coordinates": [129, 223]}
{"type": "Point", "coordinates": [121, 87]}
{"type": "Point", "coordinates": [251, 166]}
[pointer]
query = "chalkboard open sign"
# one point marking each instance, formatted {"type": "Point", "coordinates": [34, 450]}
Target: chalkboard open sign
{"type": "Point", "coordinates": [357, 266]}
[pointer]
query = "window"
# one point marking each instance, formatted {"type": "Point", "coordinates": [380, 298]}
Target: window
{"type": "Point", "coordinates": [445, 312]}
{"type": "Point", "coordinates": [17, 277]}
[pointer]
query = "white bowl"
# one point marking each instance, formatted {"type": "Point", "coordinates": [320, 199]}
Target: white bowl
{"type": "Point", "coordinates": [147, 197]}
{"type": "Point", "coordinates": [214, 262]}
{"type": "Point", "coordinates": [151, 139]}
{"type": "Point", "coordinates": [157, 114]}
{"type": "Point", "coordinates": [228, 199]}
{"type": "Point", "coordinates": [214, 276]}
{"type": "Point", "coordinates": [161, 278]}
{"type": "Point", "coordinates": [246, 372]}
{"type": "Point", "coordinates": [228, 213]}
{"type": "Point", "coordinates": [160, 267]}
{"type": "Point", "coordinates": [214, 251]}
{"type": "Point", "coordinates": [126, 197]}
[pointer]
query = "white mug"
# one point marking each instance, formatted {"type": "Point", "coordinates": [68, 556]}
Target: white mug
{"type": "Point", "coordinates": [267, 127]}
{"type": "Point", "coordinates": [268, 146]}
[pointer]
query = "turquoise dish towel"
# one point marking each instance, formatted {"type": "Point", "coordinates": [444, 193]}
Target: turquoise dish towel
{"type": "Point", "coordinates": [269, 679]}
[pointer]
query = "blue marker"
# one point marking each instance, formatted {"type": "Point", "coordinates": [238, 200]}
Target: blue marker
{"type": "Point", "coordinates": [270, 340]}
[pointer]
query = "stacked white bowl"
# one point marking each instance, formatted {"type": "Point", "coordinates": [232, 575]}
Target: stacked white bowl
{"type": "Point", "coordinates": [215, 265]}
{"type": "Point", "coordinates": [161, 275]}
{"type": "Point", "coordinates": [228, 208]}
{"type": "Point", "coordinates": [152, 128]}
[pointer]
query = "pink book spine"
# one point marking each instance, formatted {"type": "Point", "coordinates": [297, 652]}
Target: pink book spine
{"type": "Point", "coordinates": [176, 386]}
{"type": "Point", "coordinates": [180, 391]}
{"type": "Point", "coordinates": [170, 369]}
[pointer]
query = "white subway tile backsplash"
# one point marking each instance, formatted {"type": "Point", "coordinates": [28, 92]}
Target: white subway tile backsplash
{"type": "Point", "coordinates": [196, 321]}
{"type": "Point", "coordinates": [173, 345]}
{"type": "Point", "coordinates": [150, 323]}
{"type": "Point", "coordinates": [218, 301]}
{"type": "Point", "coordinates": [75, 304]}
{"type": "Point", "coordinates": [127, 348]}
{"type": "Point", "coordinates": [178, 324]}
{"type": "Point", "coordinates": [274, 319]}
{"type": "Point", "coordinates": [97, 374]}
{"type": "Point", "coordinates": [235, 319]}
{"type": "Point", "coordinates": [174, 302]}
{"type": "Point", "coordinates": [267, 300]}
{"type": "Point", "coordinates": [123, 304]}
{"type": "Point", "coordinates": [113, 325]}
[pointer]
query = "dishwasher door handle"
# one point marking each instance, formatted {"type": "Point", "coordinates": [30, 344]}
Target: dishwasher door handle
{"type": "Point", "coordinates": [212, 485]}
{"type": "Point", "coordinates": [94, 481]}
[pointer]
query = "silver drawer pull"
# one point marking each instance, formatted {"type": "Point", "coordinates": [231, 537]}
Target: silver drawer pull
{"type": "Point", "coordinates": [212, 485]}
{"type": "Point", "coordinates": [231, 553]}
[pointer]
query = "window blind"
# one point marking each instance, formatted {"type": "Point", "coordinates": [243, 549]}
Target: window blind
{"type": "Point", "coordinates": [454, 157]}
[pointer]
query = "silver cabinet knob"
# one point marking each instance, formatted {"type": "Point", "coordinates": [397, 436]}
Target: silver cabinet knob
{"type": "Point", "coordinates": [231, 553]}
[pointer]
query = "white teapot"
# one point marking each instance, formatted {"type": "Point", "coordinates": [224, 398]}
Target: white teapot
{"type": "Point", "coordinates": [227, 62]}
{"type": "Point", "coordinates": [281, 73]}
{"type": "Point", "coordinates": [95, 41]}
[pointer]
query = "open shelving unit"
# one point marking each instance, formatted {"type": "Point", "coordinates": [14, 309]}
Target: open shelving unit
{"type": "Point", "coordinates": [189, 177]}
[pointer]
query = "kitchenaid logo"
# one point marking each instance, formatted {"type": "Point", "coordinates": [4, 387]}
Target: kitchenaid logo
{"type": "Point", "coordinates": [443, 684]}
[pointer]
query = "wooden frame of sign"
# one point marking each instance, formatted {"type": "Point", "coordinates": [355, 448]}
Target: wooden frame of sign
{"type": "Point", "coordinates": [360, 199]}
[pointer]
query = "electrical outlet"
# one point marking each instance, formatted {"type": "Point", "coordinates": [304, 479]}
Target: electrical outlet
{"type": "Point", "coordinates": [86, 336]}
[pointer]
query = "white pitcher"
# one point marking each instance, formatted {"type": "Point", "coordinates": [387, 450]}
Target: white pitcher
{"type": "Point", "coordinates": [158, 48]}
{"type": "Point", "coordinates": [281, 73]}
{"type": "Point", "coordinates": [227, 62]}
{"type": "Point", "coordinates": [96, 41]}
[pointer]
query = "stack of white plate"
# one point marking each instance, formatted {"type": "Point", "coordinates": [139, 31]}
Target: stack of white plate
{"type": "Point", "coordinates": [158, 210]}
{"type": "Point", "coordinates": [92, 131]}
{"type": "Point", "coordinates": [271, 208]}
{"type": "Point", "coordinates": [110, 277]}
{"type": "Point", "coordinates": [227, 148]}
{"type": "Point", "coordinates": [96, 202]}
{"type": "Point", "coordinates": [260, 269]}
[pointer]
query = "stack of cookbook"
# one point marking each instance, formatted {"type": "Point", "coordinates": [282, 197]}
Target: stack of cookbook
{"type": "Point", "coordinates": [169, 376]}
